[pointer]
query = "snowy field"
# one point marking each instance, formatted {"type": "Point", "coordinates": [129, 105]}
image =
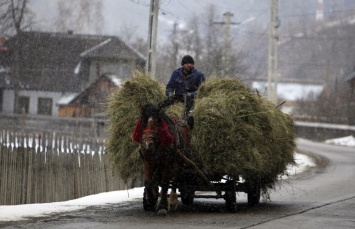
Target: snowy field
{"type": "Point", "coordinates": [21, 212]}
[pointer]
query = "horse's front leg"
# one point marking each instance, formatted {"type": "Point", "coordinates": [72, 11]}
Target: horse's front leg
{"type": "Point", "coordinates": [151, 190]}
{"type": "Point", "coordinates": [162, 206]}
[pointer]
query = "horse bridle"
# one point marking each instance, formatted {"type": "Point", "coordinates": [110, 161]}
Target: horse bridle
{"type": "Point", "coordinates": [148, 133]}
{"type": "Point", "coordinates": [150, 136]}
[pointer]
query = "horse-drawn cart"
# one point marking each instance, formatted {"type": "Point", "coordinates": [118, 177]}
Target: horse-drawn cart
{"type": "Point", "coordinates": [164, 143]}
{"type": "Point", "coordinates": [240, 143]}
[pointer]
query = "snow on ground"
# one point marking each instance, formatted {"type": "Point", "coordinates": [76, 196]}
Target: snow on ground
{"type": "Point", "coordinates": [303, 162]}
{"type": "Point", "coordinates": [345, 141]}
{"type": "Point", "coordinates": [21, 212]}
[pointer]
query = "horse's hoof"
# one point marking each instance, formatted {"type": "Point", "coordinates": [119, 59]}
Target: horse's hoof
{"type": "Point", "coordinates": [172, 208]}
{"type": "Point", "coordinates": [162, 212]}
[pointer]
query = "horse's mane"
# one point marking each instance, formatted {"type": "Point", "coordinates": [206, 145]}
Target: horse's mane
{"type": "Point", "coordinates": [148, 110]}
{"type": "Point", "coordinates": [152, 110]}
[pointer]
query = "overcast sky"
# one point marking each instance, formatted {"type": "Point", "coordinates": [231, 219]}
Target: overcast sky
{"type": "Point", "coordinates": [119, 13]}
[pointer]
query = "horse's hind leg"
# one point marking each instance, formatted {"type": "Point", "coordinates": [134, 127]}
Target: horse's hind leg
{"type": "Point", "coordinates": [173, 200]}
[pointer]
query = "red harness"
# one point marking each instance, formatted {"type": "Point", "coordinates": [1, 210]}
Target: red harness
{"type": "Point", "coordinates": [164, 136]}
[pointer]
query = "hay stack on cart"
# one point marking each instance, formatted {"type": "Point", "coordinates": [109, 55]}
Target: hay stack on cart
{"type": "Point", "coordinates": [236, 131]}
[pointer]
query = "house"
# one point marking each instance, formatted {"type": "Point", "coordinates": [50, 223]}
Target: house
{"type": "Point", "coordinates": [292, 93]}
{"type": "Point", "coordinates": [92, 101]}
{"type": "Point", "coordinates": [52, 66]}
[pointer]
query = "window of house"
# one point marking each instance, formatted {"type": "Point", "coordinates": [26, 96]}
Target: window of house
{"type": "Point", "coordinates": [45, 106]}
{"type": "Point", "coordinates": [23, 105]}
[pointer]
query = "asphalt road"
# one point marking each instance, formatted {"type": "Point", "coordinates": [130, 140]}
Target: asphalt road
{"type": "Point", "coordinates": [323, 197]}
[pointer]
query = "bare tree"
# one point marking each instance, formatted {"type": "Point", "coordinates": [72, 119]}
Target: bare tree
{"type": "Point", "coordinates": [203, 40]}
{"type": "Point", "coordinates": [15, 17]}
{"type": "Point", "coordinates": [129, 35]}
{"type": "Point", "coordinates": [83, 16]}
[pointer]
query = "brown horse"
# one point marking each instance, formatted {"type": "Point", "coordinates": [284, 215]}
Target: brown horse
{"type": "Point", "coordinates": [161, 140]}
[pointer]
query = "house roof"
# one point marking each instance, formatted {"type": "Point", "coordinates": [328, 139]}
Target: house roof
{"type": "Point", "coordinates": [112, 48]}
{"type": "Point", "coordinates": [48, 60]}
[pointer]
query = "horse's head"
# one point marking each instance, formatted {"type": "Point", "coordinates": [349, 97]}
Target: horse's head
{"type": "Point", "coordinates": [150, 120]}
{"type": "Point", "coordinates": [151, 129]}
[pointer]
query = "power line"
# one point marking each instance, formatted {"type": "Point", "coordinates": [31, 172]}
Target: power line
{"type": "Point", "coordinates": [312, 14]}
{"type": "Point", "coordinates": [138, 2]}
{"type": "Point", "coordinates": [232, 8]}
{"type": "Point", "coordinates": [186, 8]}
{"type": "Point", "coordinates": [319, 38]}
{"type": "Point", "coordinates": [283, 63]}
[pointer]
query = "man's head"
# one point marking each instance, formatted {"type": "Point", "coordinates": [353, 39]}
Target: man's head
{"type": "Point", "coordinates": [187, 63]}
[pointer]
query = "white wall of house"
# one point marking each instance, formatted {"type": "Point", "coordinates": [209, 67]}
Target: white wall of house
{"type": "Point", "coordinates": [9, 100]}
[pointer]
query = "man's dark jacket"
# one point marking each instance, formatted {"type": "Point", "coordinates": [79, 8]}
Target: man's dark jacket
{"type": "Point", "coordinates": [176, 83]}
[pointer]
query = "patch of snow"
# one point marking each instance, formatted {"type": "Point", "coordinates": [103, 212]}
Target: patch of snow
{"type": "Point", "coordinates": [21, 212]}
{"type": "Point", "coordinates": [96, 47]}
{"type": "Point", "coordinates": [344, 141]}
{"type": "Point", "coordinates": [303, 162]}
{"type": "Point", "coordinates": [77, 68]}
{"type": "Point", "coordinates": [115, 79]}
{"type": "Point", "coordinates": [66, 98]}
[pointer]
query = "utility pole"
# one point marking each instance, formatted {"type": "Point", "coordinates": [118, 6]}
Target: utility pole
{"type": "Point", "coordinates": [152, 38]}
{"type": "Point", "coordinates": [273, 52]}
{"type": "Point", "coordinates": [227, 41]}
{"type": "Point", "coordinates": [226, 58]}
{"type": "Point", "coordinates": [175, 45]}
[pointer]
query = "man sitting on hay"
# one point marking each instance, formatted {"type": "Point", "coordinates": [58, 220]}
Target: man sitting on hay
{"type": "Point", "coordinates": [182, 87]}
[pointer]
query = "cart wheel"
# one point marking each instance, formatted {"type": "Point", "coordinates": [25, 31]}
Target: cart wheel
{"type": "Point", "coordinates": [187, 196]}
{"type": "Point", "coordinates": [150, 199]}
{"type": "Point", "coordinates": [254, 192]}
{"type": "Point", "coordinates": [230, 197]}
{"type": "Point", "coordinates": [231, 201]}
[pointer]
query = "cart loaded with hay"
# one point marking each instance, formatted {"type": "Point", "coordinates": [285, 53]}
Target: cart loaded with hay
{"type": "Point", "coordinates": [240, 142]}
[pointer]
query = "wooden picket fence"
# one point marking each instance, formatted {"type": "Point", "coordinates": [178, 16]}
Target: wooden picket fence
{"type": "Point", "coordinates": [44, 167]}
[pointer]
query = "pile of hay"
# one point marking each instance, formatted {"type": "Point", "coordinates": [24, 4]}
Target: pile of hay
{"type": "Point", "coordinates": [239, 133]}
{"type": "Point", "coordinates": [236, 132]}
